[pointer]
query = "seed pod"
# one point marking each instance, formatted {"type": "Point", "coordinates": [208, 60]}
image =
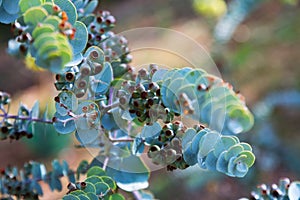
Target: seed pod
{"type": "Point", "coordinates": [81, 84]}
{"type": "Point", "coordinates": [169, 133]}
{"type": "Point", "coordinates": [154, 148]}
{"type": "Point", "coordinates": [94, 55]}
{"type": "Point", "coordinates": [143, 73]}
{"type": "Point", "coordinates": [124, 100]}
{"type": "Point", "coordinates": [176, 142]}
{"type": "Point", "coordinates": [85, 70]}
{"type": "Point", "coordinates": [70, 76]}
{"type": "Point", "coordinates": [153, 86]}
{"type": "Point", "coordinates": [275, 191]}
{"type": "Point", "coordinates": [136, 95]}
{"type": "Point", "coordinates": [97, 68]}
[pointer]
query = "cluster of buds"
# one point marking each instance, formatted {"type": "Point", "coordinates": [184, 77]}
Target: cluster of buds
{"type": "Point", "coordinates": [142, 98]}
{"type": "Point", "coordinates": [12, 132]}
{"type": "Point", "coordinates": [23, 38]}
{"type": "Point", "coordinates": [168, 149]}
{"type": "Point", "coordinates": [99, 29]}
{"type": "Point", "coordinates": [77, 78]}
{"type": "Point", "coordinates": [144, 103]}
{"type": "Point", "coordinates": [272, 192]}
{"type": "Point", "coordinates": [116, 48]}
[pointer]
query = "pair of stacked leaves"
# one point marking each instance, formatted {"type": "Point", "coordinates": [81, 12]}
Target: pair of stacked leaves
{"type": "Point", "coordinates": [25, 183]}
{"type": "Point", "coordinates": [9, 12]}
{"type": "Point", "coordinates": [205, 98]}
{"type": "Point", "coordinates": [56, 34]}
{"type": "Point", "coordinates": [96, 186]}
{"type": "Point", "coordinates": [85, 118]}
{"type": "Point", "coordinates": [216, 152]}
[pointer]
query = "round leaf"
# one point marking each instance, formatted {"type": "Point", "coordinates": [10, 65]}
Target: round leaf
{"type": "Point", "coordinates": [81, 37]}
{"type": "Point", "coordinates": [69, 8]}
{"type": "Point", "coordinates": [95, 170]}
{"type": "Point", "coordinates": [35, 15]}
{"type": "Point", "coordinates": [26, 4]}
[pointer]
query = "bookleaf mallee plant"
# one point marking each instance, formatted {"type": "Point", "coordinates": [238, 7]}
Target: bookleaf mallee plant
{"type": "Point", "coordinates": [108, 105]}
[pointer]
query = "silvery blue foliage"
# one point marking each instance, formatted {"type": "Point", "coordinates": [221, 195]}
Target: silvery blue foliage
{"type": "Point", "coordinates": [216, 152]}
{"type": "Point", "coordinates": [205, 98]}
{"type": "Point", "coordinates": [25, 183]}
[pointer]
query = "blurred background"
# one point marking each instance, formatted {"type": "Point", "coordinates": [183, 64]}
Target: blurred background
{"type": "Point", "coordinates": [256, 47]}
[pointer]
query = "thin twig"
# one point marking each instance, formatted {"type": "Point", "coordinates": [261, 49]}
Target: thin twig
{"type": "Point", "coordinates": [105, 163]}
{"type": "Point", "coordinates": [109, 107]}
{"type": "Point", "coordinates": [121, 139]}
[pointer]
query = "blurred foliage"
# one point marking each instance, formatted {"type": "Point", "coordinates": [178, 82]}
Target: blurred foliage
{"type": "Point", "coordinates": [210, 8]}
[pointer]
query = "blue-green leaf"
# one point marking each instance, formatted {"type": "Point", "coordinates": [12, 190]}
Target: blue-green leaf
{"type": "Point", "coordinates": [294, 191]}
{"type": "Point", "coordinates": [118, 196]}
{"type": "Point", "coordinates": [188, 136]}
{"type": "Point", "coordinates": [130, 173]}
{"type": "Point", "coordinates": [222, 164]}
{"type": "Point", "coordinates": [101, 188]}
{"type": "Point", "coordinates": [89, 188]}
{"type": "Point", "coordinates": [83, 197]}
{"type": "Point", "coordinates": [158, 75]}
{"type": "Point", "coordinates": [93, 179]}
{"type": "Point", "coordinates": [5, 17]}
{"type": "Point", "coordinates": [150, 131]}
{"type": "Point", "coordinates": [67, 101]}
{"type": "Point", "coordinates": [207, 143]}
{"type": "Point", "coordinates": [110, 182]}
{"type": "Point", "coordinates": [70, 197]}
{"type": "Point", "coordinates": [64, 124]}
{"type": "Point", "coordinates": [95, 170]}
{"type": "Point", "coordinates": [35, 15]}
{"type": "Point", "coordinates": [69, 8]}
{"type": "Point", "coordinates": [11, 6]}
{"type": "Point", "coordinates": [26, 4]}
{"type": "Point", "coordinates": [81, 37]}
{"type": "Point", "coordinates": [103, 79]}
{"type": "Point", "coordinates": [36, 187]}
{"type": "Point", "coordinates": [90, 7]}
{"type": "Point", "coordinates": [92, 196]}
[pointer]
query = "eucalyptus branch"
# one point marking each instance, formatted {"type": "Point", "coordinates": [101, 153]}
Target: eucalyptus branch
{"type": "Point", "coordinates": [18, 117]}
